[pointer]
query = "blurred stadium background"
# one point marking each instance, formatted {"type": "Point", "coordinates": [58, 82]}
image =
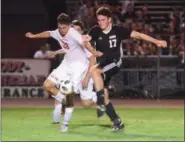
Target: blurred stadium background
{"type": "Point", "coordinates": [147, 72]}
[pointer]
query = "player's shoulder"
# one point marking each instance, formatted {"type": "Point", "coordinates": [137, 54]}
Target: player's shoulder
{"type": "Point", "coordinates": [72, 31]}
{"type": "Point", "coordinates": [56, 31]}
{"type": "Point", "coordinates": [95, 28]}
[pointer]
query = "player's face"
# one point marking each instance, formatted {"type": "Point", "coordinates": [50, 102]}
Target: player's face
{"type": "Point", "coordinates": [63, 29]}
{"type": "Point", "coordinates": [78, 28]}
{"type": "Point", "coordinates": [103, 21]}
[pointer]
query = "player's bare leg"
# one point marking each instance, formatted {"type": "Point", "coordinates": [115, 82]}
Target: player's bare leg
{"type": "Point", "coordinates": [68, 112]}
{"type": "Point", "coordinates": [103, 99]}
{"type": "Point", "coordinates": [60, 108]}
{"type": "Point", "coordinates": [96, 74]}
{"type": "Point", "coordinates": [50, 87]}
{"type": "Point", "coordinates": [97, 78]}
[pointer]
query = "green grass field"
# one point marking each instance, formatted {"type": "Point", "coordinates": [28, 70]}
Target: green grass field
{"type": "Point", "coordinates": [141, 125]}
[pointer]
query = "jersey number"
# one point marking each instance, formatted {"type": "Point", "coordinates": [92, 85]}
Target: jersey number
{"type": "Point", "coordinates": [65, 45]}
{"type": "Point", "coordinates": [112, 43]}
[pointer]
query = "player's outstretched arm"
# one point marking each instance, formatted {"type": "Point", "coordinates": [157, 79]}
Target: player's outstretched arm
{"type": "Point", "coordinates": [52, 54]}
{"type": "Point", "coordinates": [159, 43]}
{"type": "Point", "coordinates": [45, 34]}
{"type": "Point", "coordinates": [60, 51]}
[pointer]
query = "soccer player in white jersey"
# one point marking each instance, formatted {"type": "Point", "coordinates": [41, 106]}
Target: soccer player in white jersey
{"type": "Point", "coordinates": [73, 66]}
{"type": "Point", "coordinates": [87, 95]}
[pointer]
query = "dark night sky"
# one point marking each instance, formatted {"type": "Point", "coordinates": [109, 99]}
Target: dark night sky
{"type": "Point", "coordinates": [47, 8]}
{"type": "Point", "coordinates": [21, 16]}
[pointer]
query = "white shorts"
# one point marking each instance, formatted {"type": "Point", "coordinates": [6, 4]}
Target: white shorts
{"type": "Point", "coordinates": [85, 94]}
{"type": "Point", "coordinates": [88, 93]}
{"type": "Point", "coordinates": [69, 71]}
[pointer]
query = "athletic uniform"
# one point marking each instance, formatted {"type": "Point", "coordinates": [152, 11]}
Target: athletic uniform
{"type": "Point", "coordinates": [75, 63]}
{"type": "Point", "coordinates": [110, 45]}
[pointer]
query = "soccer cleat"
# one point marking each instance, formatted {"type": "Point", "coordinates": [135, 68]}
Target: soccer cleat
{"type": "Point", "coordinates": [64, 128]}
{"type": "Point", "coordinates": [55, 122]}
{"type": "Point", "coordinates": [100, 110]}
{"type": "Point", "coordinates": [117, 125]}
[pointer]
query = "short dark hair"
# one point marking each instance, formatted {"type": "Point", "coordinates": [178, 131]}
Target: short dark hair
{"type": "Point", "coordinates": [105, 11]}
{"type": "Point", "coordinates": [78, 23]}
{"type": "Point", "coordinates": [63, 19]}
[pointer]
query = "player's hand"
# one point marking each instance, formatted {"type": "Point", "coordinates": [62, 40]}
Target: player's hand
{"type": "Point", "coordinates": [51, 54]}
{"type": "Point", "coordinates": [85, 82]}
{"type": "Point", "coordinates": [99, 54]}
{"type": "Point", "coordinates": [86, 38]}
{"type": "Point", "coordinates": [29, 35]}
{"type": "Point", "coordinates": [161, 43]}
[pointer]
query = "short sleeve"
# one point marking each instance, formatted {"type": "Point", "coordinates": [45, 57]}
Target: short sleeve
{"type": "Point", "coordinates": [54, 34]}
{"type": "Point", "coordinates": [77, 37]}
{"type": "Point", "coordinates": [124, 32]}
{"type": "Point", "coordinates": [93, 32]}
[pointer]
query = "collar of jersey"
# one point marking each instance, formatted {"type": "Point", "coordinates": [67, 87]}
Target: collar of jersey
{"type": "Point", "coordinates": [108, 29]}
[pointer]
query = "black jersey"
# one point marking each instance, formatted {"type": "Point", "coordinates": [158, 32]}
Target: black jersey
{"type": "Point", "coordinates": [109, 43]}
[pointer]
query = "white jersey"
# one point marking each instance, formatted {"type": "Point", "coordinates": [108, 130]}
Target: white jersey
{"type": "Point", "coordinates": [75, 63]}
{"type": "Point", "coordinates": [72, 45]}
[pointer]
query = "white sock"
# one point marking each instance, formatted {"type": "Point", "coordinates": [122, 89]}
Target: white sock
{"type": "Point", "coordinates": [57, 113]}
{"type": "Point", "coordinates": [59, 97]}
{"type": "Point", "coordinates": [94, 97]}
{"type": "Point", "coordinates": [68, 115]}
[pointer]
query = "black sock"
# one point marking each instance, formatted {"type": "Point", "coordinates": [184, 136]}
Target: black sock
{"type": "Point", "coordinates": [110, 111]}
{"type": "Point", "coordinates": [100, 97]}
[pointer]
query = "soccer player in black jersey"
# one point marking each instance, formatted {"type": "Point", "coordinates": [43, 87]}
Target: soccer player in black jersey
{"type": "Point", "coordinates": [107, 38]}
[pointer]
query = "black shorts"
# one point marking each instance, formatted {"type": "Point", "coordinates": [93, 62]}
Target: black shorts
{"type": "Point", "coordinates": [110, 67]}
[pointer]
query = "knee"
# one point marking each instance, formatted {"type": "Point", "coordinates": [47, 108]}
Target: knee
{"type": "Point", "coordinates": [94, 71]}
{"type": "Point", "coordinates": [47, 85]}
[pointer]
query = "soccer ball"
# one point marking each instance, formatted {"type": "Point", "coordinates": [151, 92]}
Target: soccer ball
{"type": "Point", "coordinates": [66, 87]}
